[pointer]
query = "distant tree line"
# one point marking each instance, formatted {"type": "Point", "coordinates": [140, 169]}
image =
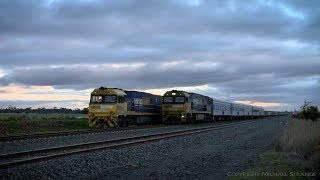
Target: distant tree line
{"type": "Point", "coordinates": [12, 109]}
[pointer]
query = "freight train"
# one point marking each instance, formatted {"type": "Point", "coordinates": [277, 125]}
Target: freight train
{"type": "Point", "coordinates": [116, 107]}
{"type": "Point", "coordinates": [111, 107]}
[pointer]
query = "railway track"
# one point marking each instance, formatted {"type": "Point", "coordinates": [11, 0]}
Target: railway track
{"type": "Point", "coordinates": [76, 132]}
{"type": "Point", "coordinates": [44, 135]}
{"type": "Point", "coordinates": [26, 157]}
{"type": "Point", "coordinates": [67, 133]}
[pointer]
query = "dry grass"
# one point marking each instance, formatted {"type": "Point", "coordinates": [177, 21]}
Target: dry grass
{"type": "Point", "coordinates": [302, 138]}
{"type": "Point", "coordinates": [299, 137]}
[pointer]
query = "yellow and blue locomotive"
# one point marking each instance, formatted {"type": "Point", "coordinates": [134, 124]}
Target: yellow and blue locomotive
{"type": "Point", "coordinates": [111, 107]}
{"type": "Point", "coordinates": [181, 106]}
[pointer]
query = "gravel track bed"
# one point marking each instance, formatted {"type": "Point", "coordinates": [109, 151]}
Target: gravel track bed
{"type": "Point", "coordinates": [31, 144]}
{"type": "Point", "coordinates": [209, 155]}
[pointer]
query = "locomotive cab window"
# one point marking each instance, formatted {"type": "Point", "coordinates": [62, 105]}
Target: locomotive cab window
{"type": "Point", "coordinates": [110, 99]}
{"type": "Point", "coordinates": [168, 99]}
{"type": "Point", "coordinates": [179, 99]}
{"type": "Point", "coordinates": [121, 99]}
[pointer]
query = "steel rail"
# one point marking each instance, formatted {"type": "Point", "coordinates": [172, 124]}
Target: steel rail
{"type": "Point", "coordinates": [43, 135]}
{"type": "Point", "coordinates": [68, 133]}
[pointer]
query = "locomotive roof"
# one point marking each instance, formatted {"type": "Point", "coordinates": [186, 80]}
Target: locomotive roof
{"type": "Point", "coordinates": [176, 93]}
{"type": "Point", "coordinates": [109, 91]}
{"type": "Point", "coordinates": [118, 92]}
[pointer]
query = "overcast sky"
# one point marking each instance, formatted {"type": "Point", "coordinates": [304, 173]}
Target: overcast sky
{"type": "Point", "coordinates": [55, 52]}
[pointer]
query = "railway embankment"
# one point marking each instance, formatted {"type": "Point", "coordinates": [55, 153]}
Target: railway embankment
{"type": "Point", "coordinates": [295, 154]}
{"type": "Point", "coordinates": [208, 155]}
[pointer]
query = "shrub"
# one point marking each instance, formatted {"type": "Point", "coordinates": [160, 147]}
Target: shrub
{"type": "Point", "coordinates": [311, 112]}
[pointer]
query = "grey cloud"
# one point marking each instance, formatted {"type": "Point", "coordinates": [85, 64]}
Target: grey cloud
{"type": "Point", "coordinates": [149, 76]}
{"type": "Point", "coordinates": [236, 78]}
{"type": "Point", "coordinates": [153, 30]}
{"type": "Point", "coordinates": [69, 18]}
{"type": "Point", "coordinates": [258, 45]}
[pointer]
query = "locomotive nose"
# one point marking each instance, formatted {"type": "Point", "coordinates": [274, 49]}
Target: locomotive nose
{"type": "Point", "coordinates": [173, 113]}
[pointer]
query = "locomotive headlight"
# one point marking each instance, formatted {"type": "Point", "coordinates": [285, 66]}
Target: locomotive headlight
{"type": "Point", "coordinates": [182, 116]}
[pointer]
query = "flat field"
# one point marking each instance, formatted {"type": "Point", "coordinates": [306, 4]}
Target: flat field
{"type": "Point", "coordinates": [21, 123]}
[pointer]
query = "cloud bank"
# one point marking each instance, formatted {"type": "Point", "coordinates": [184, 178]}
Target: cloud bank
{"type": "Point", "coordinates": [253, 51]}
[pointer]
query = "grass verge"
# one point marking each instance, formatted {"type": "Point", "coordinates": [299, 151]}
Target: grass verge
{"type": "Point", "coordinates": [296, 155]}
{"type": "Point", "coordinates": [302, 137]}
{"type": "Point", "coordinates": [40, 123]}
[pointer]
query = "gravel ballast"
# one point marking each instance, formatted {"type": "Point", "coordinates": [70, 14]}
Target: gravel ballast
{"type": "Point", "coordinates": [56, 141]}
{"type": "Point", "coordinates": [209, 155]}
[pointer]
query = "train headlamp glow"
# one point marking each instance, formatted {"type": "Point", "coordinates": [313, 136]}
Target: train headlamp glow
{"type": "Point", "coordinates": [173, 94]}
{"type": "Point", "coordinates": [182, 116]}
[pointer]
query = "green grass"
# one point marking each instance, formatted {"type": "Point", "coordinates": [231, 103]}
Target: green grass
{"type": "Point", "coordinates": [274, 165]}
{"type": "Point", "coordinates": [40, 130]}
{"type": "Point", "coordinates": [278, 162]}
{"type": "Point", "coordinates": [41, 123]}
